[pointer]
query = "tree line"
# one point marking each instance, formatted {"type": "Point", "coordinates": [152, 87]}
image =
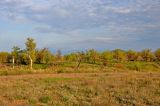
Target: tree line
{"type": "Point", "coordinates": [31, 55]}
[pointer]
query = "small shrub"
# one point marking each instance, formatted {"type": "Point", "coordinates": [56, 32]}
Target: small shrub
{"type": "Point", "coordinates": [32, 101]}
{"type": "Point", "coordinates": [134, 66]}
{"type": "Point", "coordinates": [137, 67]}
{"type": "Point", "coordinates": [60, 71]}
{"type": "Point", "coordinates": [45, 99]}
{"type": "Point", "coordinates": [120, 66]}
{"type": "Point", "coordinates": [65, 98]}
{"type": "Point", "coordinates": [4, 73]}
{"type": "Point", "coordinates": [19, 97]}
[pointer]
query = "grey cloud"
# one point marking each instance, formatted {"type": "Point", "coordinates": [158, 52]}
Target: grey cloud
{"type": "Point", "coordinates": [86, 22]}
{"type": "Point", "coordinates": [77, 14]}
{"type": "Point", "coordinates": [44, 29]}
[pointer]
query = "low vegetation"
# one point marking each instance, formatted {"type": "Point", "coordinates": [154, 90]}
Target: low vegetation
{"type": "Point", "coordinates": [96, 89]}
{"type": "Point", "coordinates": [32, 60]}
{"type": "Point", "coordinates": [69, 67]}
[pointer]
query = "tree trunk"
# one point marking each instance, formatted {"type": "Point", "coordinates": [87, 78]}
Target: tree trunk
{"type": "Point", "coordinates": [13, 62]}
{"type": "Point", "coordinates": [79, 62]}
{"type": "Point", "coordinates": [31, 62]}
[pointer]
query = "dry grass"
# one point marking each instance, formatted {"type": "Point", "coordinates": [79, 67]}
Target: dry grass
{"type": "Point", "coordinates": [85, 89]}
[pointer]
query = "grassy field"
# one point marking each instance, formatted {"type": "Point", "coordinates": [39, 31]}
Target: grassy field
{"type": "Point", "coordinates": [69, 67]}
{"type": "Point", "coordinates": [81, 89]}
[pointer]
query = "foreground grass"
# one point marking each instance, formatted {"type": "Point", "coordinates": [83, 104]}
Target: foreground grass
{"type": "Point", "coordinates": [85, 89]}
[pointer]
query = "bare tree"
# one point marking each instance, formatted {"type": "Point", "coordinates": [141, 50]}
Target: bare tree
{"type": "Point", "coordinates": [80, 57]}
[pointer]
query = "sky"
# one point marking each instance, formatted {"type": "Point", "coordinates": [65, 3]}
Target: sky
{"type": "Point", "coordinates": [71, 25]}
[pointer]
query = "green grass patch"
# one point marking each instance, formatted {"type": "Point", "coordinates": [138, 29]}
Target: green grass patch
{"type": "Point", "coordinates": [32, 101]}
{"type": "Point", "coordinates": [40, 66]}
{"type": "Point", "coordinates": [45, 99]}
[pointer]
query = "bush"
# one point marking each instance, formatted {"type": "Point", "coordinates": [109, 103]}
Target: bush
{"type": "Point", "coordinates": [65, 98]}
{"type": "Point", "coordinates": [120, 66]}
{"type": "Point", "coordinates": [45, 99]}
{"type": "Point", "coordinates": [32, 101]}
{"type": "Point", "coordinates": [134, 66]}
{"type": "Point", "coordinates": [4, 73]}
{"type": "Point", "coordinates": [137, 67]}
{"type": "Point", "coordinates": [60, 71]}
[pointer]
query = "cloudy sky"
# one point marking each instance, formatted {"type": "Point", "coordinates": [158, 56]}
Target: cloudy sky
{"type": "Point", "coordinates": [80, 24]}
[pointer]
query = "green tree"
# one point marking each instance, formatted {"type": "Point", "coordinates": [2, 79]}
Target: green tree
{"type": "Point", "coordinates": [106, 56]}
{"type": "Point", "coordinates": [92, 56]}
{"type": "Point", "coordinates": [30, 47]}
{"type": "Point", "coordinates": [4, 57]}
{"type": "Point", "coordinates": [132, 55]}
{"type": "Point", "coordinates": [59, 55]}
{"type": "Point", "coordinates": [139, 57]}
{"type": "Point", "coordinates": [157, 54]}
{"type": "Point", "coordinates": [147, 55]}
{"type": "Point", "coordinates": [44, 56]}
{"type": "Point", "coordinates": [15, 54]}
{"type": "Point", "coordinates": [23, 57]}
{"type": "Point", "coordinates": [119, 55]}
{"type": "Point", "coordinates": [72, 57]}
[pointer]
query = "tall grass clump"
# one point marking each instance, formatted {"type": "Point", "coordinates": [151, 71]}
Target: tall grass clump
{"type": "Point", "coordinates": [134, 66]}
